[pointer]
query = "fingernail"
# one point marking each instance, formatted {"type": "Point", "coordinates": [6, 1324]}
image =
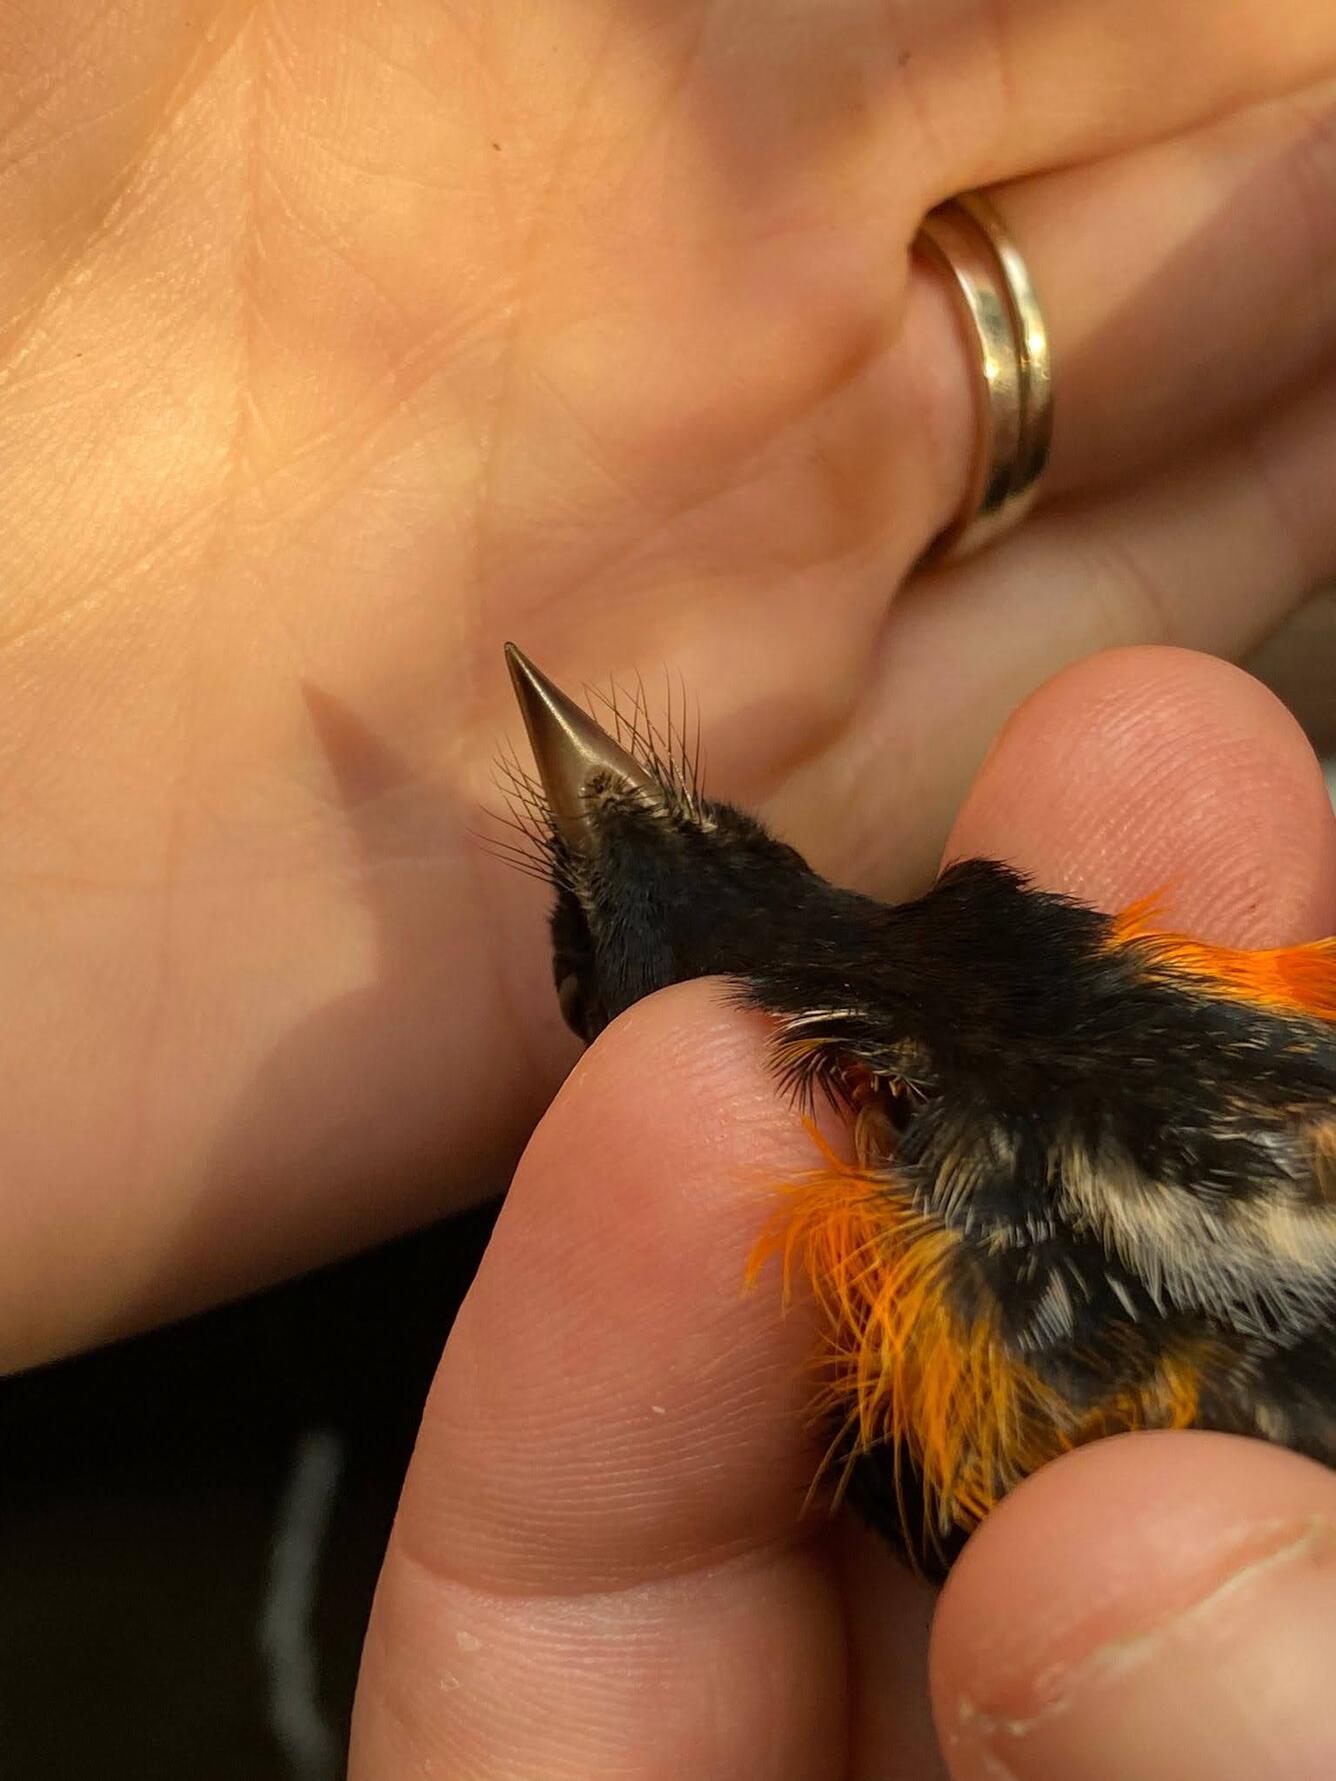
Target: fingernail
{"type": "Point", "coordinates": [1234, 1684]}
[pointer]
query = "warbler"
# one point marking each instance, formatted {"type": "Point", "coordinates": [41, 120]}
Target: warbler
{"type": "Point", "coordinates": [1092, 1184]}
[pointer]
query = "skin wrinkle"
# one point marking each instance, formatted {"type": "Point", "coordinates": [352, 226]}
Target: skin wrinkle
{"type": "Point", "coordinates": [1132, 593]}
{"type": "Point", "coordinates": [537, 223]}
{"type": "Point", "coordinates": [157, 1030]}
{"type": "Point", "coordinates": [1311, 163]}
{"type": "Point", "coordinates": [1313, 239]}
{"type": "Point", "coordinates": [1305, 566]}
{"type": "Point", "coordinates": [203, 529]}
{"type": "Point", "coordinates": [365, 446]}
{"type": "Point", "coordinates": [431, 344]}
{"type": "Point", "coordinates": [822, 734]}
{"type": "Point", "coordinates": [1008, 94]}
{"type": "Point", "coordinates": [183, 540]}
{"type": "Point", "coordinates": [1237, 172]}
{"type": "Point", "coordinates": [157, 1026]}
{"type": "Point", "coordinates": [1292, 467]}
{"type": "Point", "coordinates": [706, 1566]}
{"type": "Point", "coordinates": [918, 79]}
{"type": "Point", "coordinates": [86, 124]}
{"type": "Point", "coordinates": [43, 87]}
{"type": "Point", "coordinates": [597, 452]}
{"type": "Point", "coordinates": [616, 170]}
{"type": "Point", "coordinates": [352, 428]}
{"type": "Point", "coordinates": [641, 1615]}
{"type": "Point", "coordinates": [1138, 604]}
{"type": "Point", "coordinates": [107, 206]}
{"type": "Point", "coordinates": [1061, 1688]}
{"type": "Point", "coordinates": [806, 404]}
{"type": "Point", "coordinates": [449, 20]}
{"type": "Point", "coordinates": [693, 1461]}
{"type": "Point", "coordinates": [406, 374]}
{"type": "Point", "coordinates": [250, 258]}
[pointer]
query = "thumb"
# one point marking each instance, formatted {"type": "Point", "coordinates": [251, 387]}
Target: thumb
{"type": "Point", "coordinates": [1156, 1608]}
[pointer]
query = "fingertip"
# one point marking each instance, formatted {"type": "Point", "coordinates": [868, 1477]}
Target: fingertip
{"type": "Point", "coordinates": [1160, 770]}
{"type": "Point", "coordinates": [613, 1404]}
{"type": "Point", "coordinates": [593, 1566]}
{"type": "Point", "coordinates": [1151, 1606]}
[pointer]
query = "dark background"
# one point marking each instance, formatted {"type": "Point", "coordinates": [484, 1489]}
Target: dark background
{"type": "Point", "coordinates": [141, 1493]}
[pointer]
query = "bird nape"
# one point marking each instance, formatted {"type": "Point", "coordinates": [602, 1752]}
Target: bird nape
{"type": "Point", "coordinates": [1094, 1175]}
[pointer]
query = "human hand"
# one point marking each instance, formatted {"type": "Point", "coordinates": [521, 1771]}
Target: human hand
{"type": "Point", "coordinates": [343, 343]}
{"type": "Point", "coordinates": [599, 1566]}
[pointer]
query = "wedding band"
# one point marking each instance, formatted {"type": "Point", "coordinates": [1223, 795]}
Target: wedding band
{"type": "Point", "coordinates": [1013, 374]}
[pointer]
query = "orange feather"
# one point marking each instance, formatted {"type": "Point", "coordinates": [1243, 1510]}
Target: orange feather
{"type": "Point", "coordinates": [899, 1367]}
{"type": "Point", "coordinates": [1289, 980]}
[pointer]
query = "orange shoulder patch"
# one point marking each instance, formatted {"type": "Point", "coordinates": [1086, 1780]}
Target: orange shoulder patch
{"type": "Point", "coordinates": [1290, 979]}
{"type": "Point", "coordinates": [901, 1372]}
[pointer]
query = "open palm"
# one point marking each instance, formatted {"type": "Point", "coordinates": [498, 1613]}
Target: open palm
{"type": "Point", "coordinates": [342, 342]}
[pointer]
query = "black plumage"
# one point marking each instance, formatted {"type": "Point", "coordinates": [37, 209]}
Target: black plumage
{"type": "Point", "coordinates": [1099, 1162]}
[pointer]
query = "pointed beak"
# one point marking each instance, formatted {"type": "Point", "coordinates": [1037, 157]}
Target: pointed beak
{"type": "Point", "coordinates": [570, 751]}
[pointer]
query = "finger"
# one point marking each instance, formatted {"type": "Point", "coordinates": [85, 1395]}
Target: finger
{"type": "Point", "coordinates": [1188, 288]}
{"type": "Point", "coordinates": [1009, 90]}
{"type": "Point", "coordinates": [1211, 555]}
{"type": "Point", "coordinates": [1297, 663]}
{"type": "Point", "coordinates": [970, 93]}
{"type": "Point", "coordinates": [1169, 1603]}
{"type": "Point", "coordinates": [1142, 771]}
{"type": "Point", "coordinates": [592, 1572]}
{"type": "Point", "coordinates": [1185, 285]}
{"type": "Point", "coordinates": [888, 1615]}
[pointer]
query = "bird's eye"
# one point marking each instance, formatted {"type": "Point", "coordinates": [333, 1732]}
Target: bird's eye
{"type": "Point", "coordinates": [570, 996]}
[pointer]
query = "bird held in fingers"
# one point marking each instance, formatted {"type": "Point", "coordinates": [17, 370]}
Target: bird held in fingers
{"type": "Point", "coordinates": [1092, 1180]}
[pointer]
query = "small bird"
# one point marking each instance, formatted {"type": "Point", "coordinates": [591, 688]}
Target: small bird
{"type": "Point", "coordinates": [1093, 1175]}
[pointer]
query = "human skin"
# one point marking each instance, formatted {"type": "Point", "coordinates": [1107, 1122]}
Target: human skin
{"type": "Point", "coordinates": [601, 1567]}
{"type": "Point", "coordinates": [341, 342]}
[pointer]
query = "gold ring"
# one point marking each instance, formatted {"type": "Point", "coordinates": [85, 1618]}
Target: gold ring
{"type": "Point", "coordinates": [1013, 407]}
